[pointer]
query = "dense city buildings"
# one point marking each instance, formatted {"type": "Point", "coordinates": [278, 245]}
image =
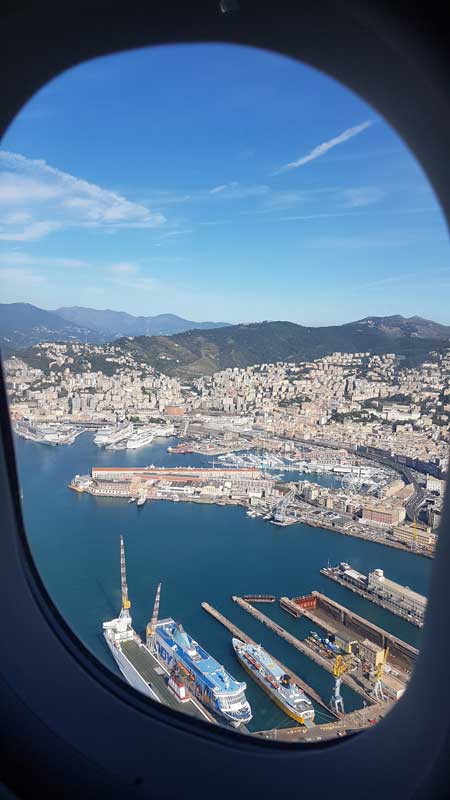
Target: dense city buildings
{"type": "Point", "coordinates": [380, 426]}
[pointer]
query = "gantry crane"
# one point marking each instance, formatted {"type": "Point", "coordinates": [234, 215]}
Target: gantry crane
{"type": "Point", "coordinates": [337, 701]}
{"type": "Point", "coordinates": [280, 509]}
{"type": "Point", "coordinates": [377, 690]}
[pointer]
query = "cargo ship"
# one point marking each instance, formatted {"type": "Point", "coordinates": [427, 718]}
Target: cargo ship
{"type": "Point", "coordinates": [206, 679]}
{"type": "Point", "coordinates": [268, 674]}
{"type": "Point", "coordinates": [111, 434]}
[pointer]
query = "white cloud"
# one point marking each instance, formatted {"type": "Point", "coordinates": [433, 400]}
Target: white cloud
{"type": "Point", "coordinates": [19, 259]}
{"type": "Point", "coordinates": [362, 196]}
{"type": "Point", "coordinates": [16, 218]}
{"type": "Point", "coordinates": [12, 278]}
{"type": "Point", "coordinates": [218, 189]}
{"type": "Point", "coordinates": [386, 240]}
{"type": "Point", "coordinates": [236, 191]}
{"type": "Point", "coordinates": [323, 148]}
{"type": "Point", "coordinates": [124, 268]}
{"type": "Point", "coordinates": [30, 233]}
{"type": "Point", "coordinates": [44, 191]}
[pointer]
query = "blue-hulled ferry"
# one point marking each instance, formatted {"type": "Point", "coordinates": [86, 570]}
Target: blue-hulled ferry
{"type": "Point", "coordinates": [205, 678]}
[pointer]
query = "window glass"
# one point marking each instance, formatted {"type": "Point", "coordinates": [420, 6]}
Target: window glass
{"type": "Point", "coordinates": [225, 337]}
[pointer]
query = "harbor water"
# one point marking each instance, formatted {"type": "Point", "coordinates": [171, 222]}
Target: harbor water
{"type": "Point", "coordinates": [200, 553]}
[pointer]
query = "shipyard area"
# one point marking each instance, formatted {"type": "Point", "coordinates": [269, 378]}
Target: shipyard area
{"type": "Point", "coordinates": [170, 667]}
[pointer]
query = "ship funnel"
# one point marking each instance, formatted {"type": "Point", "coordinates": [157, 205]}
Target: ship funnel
{"type": "Point", "coordinates": [123, 578]}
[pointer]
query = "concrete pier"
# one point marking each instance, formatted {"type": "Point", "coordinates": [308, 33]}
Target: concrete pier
{"type": "Point", "coordinates": [302, 647]}
{"type": "Point", "coordinates": [235, 631]}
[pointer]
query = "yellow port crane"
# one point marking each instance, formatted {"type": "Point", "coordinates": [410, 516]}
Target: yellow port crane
{"type": "Point", "coordinates": [377, 690]}
{"type": "Point", "coordinates": [339, 667]}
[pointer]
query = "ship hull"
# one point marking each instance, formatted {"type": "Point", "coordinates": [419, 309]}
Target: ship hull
{"type": "Point", "coordinates": [130, 674]}
{"type": "Point", "coordinates": [198, 683]}
{"type": "Point", "coordinates": [273, 696]}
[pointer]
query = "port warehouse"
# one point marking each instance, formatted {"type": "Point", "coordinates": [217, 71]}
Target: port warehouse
{"type": "Point", "coordinates": [376, 585]}
{"type": "Point", "coordinates": [128, 473]}
{"type": "Point", "coordinates": [125, 481]}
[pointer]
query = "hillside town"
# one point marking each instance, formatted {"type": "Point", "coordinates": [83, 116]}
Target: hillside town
{"type": "Point", "coordinates": [382, 429]}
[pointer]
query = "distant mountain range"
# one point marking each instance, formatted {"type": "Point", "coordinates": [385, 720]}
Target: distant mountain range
{"type": "Point", "coordinates": [23, 325]}
{"type": "Point", "coordinates": [112, 324]}
{"type": "Point", "coordinates": [196, 353]}
{"type": "Point", "coordinates": [188, 349]}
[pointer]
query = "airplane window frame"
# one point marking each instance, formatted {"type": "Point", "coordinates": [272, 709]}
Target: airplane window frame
{"type": "Point", "coordinates": [26, 597]}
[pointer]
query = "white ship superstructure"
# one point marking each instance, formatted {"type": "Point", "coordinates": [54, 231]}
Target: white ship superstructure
{"type": "Point", "coordinates": [111, 434]}
{"type": "Point", "coordinates": [120, 638]}
{"type": "Point", "coordinates": [140, 438]}
{"type": "Point", "coordinates": [48, 433]}
{"type": "Point", "coordinates": [144, 436]}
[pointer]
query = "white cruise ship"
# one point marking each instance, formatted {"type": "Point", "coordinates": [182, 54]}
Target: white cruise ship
{"type": "Point", "coordinates": [52, 434]}
{"type": "Point", "coordinates": [140, 438]}
{"type": "Point", "coordinates": [145, 436]}
{"type": "Point", "coordinates": [111, 434]}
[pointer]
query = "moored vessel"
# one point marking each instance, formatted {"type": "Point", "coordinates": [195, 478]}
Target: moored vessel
{"type": "Point", "coordinates": [272, 679]}
{"type": "Point", "coordinates": [205, 679]}
{"type": "Point", "coordinates": [111, 434]}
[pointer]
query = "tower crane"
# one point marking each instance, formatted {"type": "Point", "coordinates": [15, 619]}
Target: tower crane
{"type": "Point", "coordinates": [126, 604]}
{"type": "Point", "coordinates": [337, 701]}
{"type": "Point", "coordinates": [377, 690]}
{"type": "Point", "coordinates": [152, 624]}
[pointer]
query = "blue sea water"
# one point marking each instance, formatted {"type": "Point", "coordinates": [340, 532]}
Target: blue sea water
{"type": "Point", "coordinates": [199, 552]}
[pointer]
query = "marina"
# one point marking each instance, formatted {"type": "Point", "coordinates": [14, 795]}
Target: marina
{"type": "Point", "coordinates": [398, 599]}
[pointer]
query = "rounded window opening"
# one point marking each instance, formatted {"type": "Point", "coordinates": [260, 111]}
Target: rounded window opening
{"type": "Point", "coordinates": [226, 348]}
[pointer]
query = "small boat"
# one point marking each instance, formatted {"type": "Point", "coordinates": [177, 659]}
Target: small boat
{"type": "Point", "coordinates": [132, 499]}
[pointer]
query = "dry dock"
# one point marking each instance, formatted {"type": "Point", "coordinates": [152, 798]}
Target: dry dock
{"type": "Point", "coordinates": [235, 631]}
{"type": "Point", "coordinates": [337, 619]}
{"type": "Point", "coordinates": [302, 647]}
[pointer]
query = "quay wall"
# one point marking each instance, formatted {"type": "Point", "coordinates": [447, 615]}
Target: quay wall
{"type": "Point", "coordinates": [361, 626]}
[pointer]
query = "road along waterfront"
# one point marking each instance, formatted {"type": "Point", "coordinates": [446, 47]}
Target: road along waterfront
{"type": "Point", "coordinates": [199, 552]}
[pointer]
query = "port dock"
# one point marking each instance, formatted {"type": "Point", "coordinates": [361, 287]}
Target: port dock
{"type": "Point", "coordinates": [336, 619]}
{"type": "Point", "coordinates": [401, 605]}
{"type": "Point", "coordinates": [303, 647]}
{"type": "Point", "coordinates": [153, 672]}
{"type": "Point", "coordinates": [235, 631]}
{"type": "Point", "coordinates": [348, 723]}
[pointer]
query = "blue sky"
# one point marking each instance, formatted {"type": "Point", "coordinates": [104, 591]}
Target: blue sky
{"type": "Point", "coordinates": [217, 183]}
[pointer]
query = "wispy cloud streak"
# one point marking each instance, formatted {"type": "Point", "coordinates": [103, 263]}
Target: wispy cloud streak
{"type": "Point", "coordinates": [323, 148]}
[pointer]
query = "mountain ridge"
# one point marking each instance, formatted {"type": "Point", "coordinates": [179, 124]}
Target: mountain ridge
{"type": "Point", "coordinates": [195, 353]}
{"type": "Point", "coordinates": [24, 325]}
